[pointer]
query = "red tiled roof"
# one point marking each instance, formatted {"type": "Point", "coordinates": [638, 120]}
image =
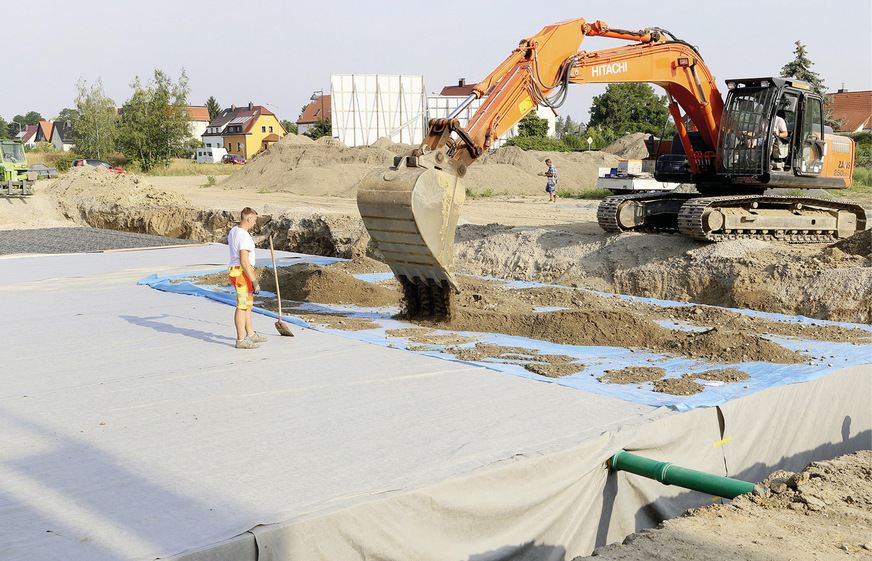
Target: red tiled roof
{"type": "Point", "coordinates": [271, 138]}
{"type": "Point", "coordinates": [461, 91]}
{"type": "Point", "coordinates": [26, 134]}
{"type": "Point", "coordinates": [312, 112]}
{"type": "Point", "coordinates": [855, 107]}
{"type": "Point", "coordinates": [198, 113]}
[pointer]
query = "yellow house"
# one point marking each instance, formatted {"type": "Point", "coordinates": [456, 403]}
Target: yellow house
{"type": "Point", "coordinates": [252, 130]}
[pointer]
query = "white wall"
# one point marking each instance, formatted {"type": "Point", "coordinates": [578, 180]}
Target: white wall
{"type": "Point", "coordinates": [366, 107]}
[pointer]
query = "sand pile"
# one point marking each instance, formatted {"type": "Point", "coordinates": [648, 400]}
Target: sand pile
{"type": "Point", "coordinates": [96, 197]}
{"type": "Point", "coordinates": [301, 166]}
{"type": "Point", "coordinates": [630, 147]}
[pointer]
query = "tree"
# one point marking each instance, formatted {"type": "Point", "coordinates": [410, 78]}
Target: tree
{"type": "Point", "coordinates": [67, 114]}
{"type": "Point", "coordinates": [4, 129]}
{"type": "Point", "coordinates": [95, 126]}
{"type": "Point", "coordinates": [154, 121]}
{"type": "Point", "coordinates": [322, 127]}
{"type": "Point", "coordinates": [800, 68]}
{"type": "Point", "coordinates": [566, 126]}
{"type": "Point", "coordinates": [213, 107]}
{"type": "Point", "coordinates": [290, 127]}
{"type": "Point", "coordinates": [629, 108]}
{"type": "Point", "coordinates": [533, 126]}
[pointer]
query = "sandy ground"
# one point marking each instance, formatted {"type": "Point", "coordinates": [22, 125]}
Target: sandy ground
{"type": "Point", "coordinates": [305, 193]}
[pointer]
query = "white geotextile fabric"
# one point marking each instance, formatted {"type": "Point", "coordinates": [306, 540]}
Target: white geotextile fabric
{"type": "Point", "coordinates": [132, 429]}
{"type": "Point", "coordinates": [565, 503]}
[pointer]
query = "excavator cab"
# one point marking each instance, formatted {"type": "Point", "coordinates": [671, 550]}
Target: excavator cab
{"type": "Point", "coordinates": [749, 151]}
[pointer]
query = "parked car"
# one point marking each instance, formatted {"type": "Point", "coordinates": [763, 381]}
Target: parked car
{"type": "Point", "coordinates": [232, 159]}
{"type": "Point", "coordinates": [43, 170]}
{"type": "Point", "coordinates": [97, 163]}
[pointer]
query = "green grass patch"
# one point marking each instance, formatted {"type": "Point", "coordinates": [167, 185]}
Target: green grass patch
{"type": "Point", "coordinates": [210, 181]}
{"type": "Point", "coordinates": [180, 167]}
{"type": "Point", "coordinates": [595, 193]}
{"type": "Point", "coordinates": [487, 193]}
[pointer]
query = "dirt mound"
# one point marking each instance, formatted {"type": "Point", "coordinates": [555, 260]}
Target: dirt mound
{"type": "Point", "coordinates": [584, 318]}
{"type": "Point", "coordinates": [96, 197]}
{"type": "Point", "coordinates": [385, 143]}
{"type": "Point", "coordinates": [858, 244]}
{"type": "Point", "coordinates": [813, 281]}
{"type": "Point", "coordinates": [630, 147]}
{"type": "Point", "coordinates": [315, 283]}
{"type": "Point", "coordinates": [306, 167]}
{"type": "Point", "coordinates": [823, 512]}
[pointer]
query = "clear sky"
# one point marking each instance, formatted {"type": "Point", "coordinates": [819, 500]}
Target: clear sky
{"type": "Point", "coordinates": [278, 52]}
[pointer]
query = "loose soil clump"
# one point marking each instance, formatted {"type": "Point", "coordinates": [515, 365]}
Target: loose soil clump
{"type": "Point", "coordinates": [555, 314]}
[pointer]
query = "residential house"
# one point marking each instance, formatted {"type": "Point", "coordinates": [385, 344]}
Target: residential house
{"type": "Point", "coordinates": [313, 113]}
{"type": "Point", "coordinates": [440, 106]}
{"type": "Point", "coordinates": [44, 131]}
{"type": "Point", "coordinates": [62, 136]}
{"type": "Point", "coordinates": [199, 117]}
{"type": "Point", "coordinates": [854, 107]}
{"type": "Point", "coordinates": [27, 136]}
{"type": "Point", "coordinates": [244, 131]}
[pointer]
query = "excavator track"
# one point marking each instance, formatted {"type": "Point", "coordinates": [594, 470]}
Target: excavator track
{"type": "Point", "coordinates": [787, 219]}
{"type": "Point", "coordinates": [615, 214]}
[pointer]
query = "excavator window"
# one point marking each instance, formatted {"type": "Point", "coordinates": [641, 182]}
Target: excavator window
{"type": "Point", "coordinates": [812, 137]}
{"type": "Point", "coordinates": [744, 138]}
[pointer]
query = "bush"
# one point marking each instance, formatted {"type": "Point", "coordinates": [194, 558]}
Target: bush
{"type": "Point", "coordinates": [863, 156]}
{"type": "Point", "coordinates": [543, 144]}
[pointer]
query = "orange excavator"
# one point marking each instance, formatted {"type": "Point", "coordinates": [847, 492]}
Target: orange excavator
{"type": "Point", "coordinates": [730, 150]}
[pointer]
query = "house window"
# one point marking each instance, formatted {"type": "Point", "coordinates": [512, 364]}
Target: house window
{"type": "Point", "coordinates": [263, 129]}
{"type": "Point", "coordinates": [270, 128]}
{"type": "Point", "coordinates": [239, 147]}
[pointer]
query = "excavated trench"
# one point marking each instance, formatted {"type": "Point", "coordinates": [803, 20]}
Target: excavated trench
{"type": "Point", "coordinates": [827, 282]}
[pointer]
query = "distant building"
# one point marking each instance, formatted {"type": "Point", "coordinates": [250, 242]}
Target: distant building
{"type": "Point", "coordinates": [62, 136]}
{"type": "Point", "coordinates": [43, 131]}
{"type": "Point", "coordinates": [854, 107]}
{"type": "Point", "coordinates": [314, 112]}
{"type": "Point", "coordinates": [27, 136]}
{"type": "Point", "coordinates": [199, 117]}
{"type": "Point", "coordinates": [244, 131]}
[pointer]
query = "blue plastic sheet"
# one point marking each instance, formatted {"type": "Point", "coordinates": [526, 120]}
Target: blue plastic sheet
{"type": "Point", "coordinates": [829, 356]}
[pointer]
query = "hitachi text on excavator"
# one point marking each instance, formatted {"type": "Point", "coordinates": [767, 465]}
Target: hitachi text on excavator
{"type": "Point", "coordinates": [725, 148]}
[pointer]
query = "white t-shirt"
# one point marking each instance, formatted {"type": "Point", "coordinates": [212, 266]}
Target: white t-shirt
{"type": "Point", "coordinates": [238, 239]}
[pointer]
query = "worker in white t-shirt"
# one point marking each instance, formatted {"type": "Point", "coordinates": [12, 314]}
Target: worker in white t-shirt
{"type": "Point", "coordinates": [243, 279]}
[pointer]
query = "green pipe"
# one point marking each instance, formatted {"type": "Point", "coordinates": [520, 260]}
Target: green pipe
{"type": "Point", "coordinates": [669, 474]}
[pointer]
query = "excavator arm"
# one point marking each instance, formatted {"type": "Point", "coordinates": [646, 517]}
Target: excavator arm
{"type": "Point", "coordinates": [539, 71]}
{"type": "Point", "coordinates": [411, 210]}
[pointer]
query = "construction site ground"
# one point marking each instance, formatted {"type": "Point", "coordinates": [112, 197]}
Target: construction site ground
{"type": "Point", "coordinates": [563, 262]}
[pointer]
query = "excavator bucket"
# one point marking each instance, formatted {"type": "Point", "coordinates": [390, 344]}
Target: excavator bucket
{"type": "Point", "coordinates": [411, 212]}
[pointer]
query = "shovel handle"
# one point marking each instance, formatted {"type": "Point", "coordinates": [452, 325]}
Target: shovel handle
{"type": "Point", "coordinates": [276, 273]}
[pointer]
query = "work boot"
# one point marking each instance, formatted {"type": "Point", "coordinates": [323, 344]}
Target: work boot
{"type": "Point", "coordinates": [246, 344]}
{"type": "Point", "coordinates": [257, 338]}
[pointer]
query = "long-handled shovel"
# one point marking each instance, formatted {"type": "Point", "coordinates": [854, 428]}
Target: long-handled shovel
{"type": "Point", "coordinates": [282, 328]}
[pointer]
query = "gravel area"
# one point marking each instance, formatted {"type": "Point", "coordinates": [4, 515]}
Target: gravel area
{"type": "Point", "coordinates": [77, 240]}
